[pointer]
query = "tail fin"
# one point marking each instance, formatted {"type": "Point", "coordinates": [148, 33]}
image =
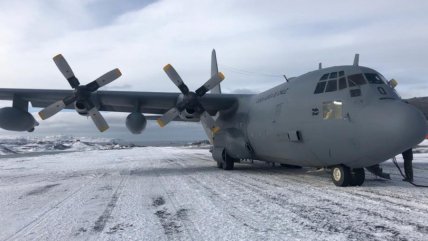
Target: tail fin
{"type": "Point", "coordinates": [214, 70]}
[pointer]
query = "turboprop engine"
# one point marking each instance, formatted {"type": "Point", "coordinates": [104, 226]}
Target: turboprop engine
{"type": "Point", "coordinates": [14, 119]}
{"type": "Point", "coordinates": [136, 122]}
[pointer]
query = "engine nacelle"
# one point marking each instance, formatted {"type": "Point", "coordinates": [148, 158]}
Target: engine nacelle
{"type": "Point", "coordinates": [13, 119]}
{"type": "Point", "coordinates": [81, 108]}
{"type": "Point", "coordinates": [136, 122]}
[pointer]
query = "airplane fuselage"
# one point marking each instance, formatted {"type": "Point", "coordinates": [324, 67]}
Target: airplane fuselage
{"type": "Point", "coordinates": [339, 115]}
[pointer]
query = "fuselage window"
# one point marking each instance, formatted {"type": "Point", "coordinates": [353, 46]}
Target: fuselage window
{"type": "Point", "coordinates": [320, 87]}
{"type": "Point", "coordinates": [341, 73]}
{"type": "Point", "coordinates": [331, 86]}
{"type": "Point", "coordinates": [342, 83]}
{"type": "Point", "coordinates": [333, 75]}
{"type": "Point", "coordinates": [373, 78]}
{"type": "Point", "coordinates": [324, 77]}
{"type": "Point", "coordinates": [356, 79]}
{"type": "Point", "coordinates": [332, 110]}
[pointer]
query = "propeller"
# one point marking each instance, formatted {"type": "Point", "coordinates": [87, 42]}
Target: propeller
{"type": "Point", "coordinates": [190, 100]}
{"type": "Point", "coordinates": [81, 95]}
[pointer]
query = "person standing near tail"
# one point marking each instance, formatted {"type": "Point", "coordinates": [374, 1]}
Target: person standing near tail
{"type": "Point", "coordinates": [408, 169]}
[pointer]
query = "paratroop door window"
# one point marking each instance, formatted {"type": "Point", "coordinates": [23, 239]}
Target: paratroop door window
{"type": "Point", "coordinates": [332, 110]}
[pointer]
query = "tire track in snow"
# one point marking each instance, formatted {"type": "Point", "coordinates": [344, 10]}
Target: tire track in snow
{"type": "Point", "coordinates": [326, 210]}
{"type": "Point", "coordinates": [352, 194]}
{"type": "Point", "coordinates": [227, 204]}
{"type": "Point", "coordinates": [50, 211]}
{"type": "Point", "coordinates": [105, 216]}
{"type": "Point", "coordinates": [173, 223]}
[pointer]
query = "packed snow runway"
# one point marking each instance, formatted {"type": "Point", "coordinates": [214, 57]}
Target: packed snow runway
{"type": "Point", "coordinates": [177, 193]}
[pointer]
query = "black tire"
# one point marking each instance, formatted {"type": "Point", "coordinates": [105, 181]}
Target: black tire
{"type": "Point", "coordinates": [228, 162]}
{"type": "Point", "coordinates": [357, 177]}
{"type": "Point", "coordinates": [341, 175]}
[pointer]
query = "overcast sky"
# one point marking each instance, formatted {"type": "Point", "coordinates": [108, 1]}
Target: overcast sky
{"type": "Point", "coordinates": [271, 37]}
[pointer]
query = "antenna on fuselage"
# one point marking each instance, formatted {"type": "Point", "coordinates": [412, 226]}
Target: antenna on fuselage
{"type": "Point", "coordinates": [356, 59]}
{"type": "Point", "coordinates": [319, 65]}
{"type": "Point", "coordinates": [285, 77]}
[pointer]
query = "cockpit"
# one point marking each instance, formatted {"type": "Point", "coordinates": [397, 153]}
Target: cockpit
{"type": "Point", "coordinates": [336, 81]}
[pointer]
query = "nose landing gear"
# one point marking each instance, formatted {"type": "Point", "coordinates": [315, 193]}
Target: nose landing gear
{"type": "Point", "coordinates": [344, 176]}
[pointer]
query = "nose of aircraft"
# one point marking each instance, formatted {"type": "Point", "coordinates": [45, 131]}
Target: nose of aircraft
{"type": "Point", "coordinates": [389, 128]}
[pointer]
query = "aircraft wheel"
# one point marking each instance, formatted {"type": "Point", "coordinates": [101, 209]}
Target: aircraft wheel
{"type": "Point", "coordinates": [357, 177]}
{"type": "Point", "coordinates": [341, 175]}
{"type": "Point", "coordinates": [228, 162]}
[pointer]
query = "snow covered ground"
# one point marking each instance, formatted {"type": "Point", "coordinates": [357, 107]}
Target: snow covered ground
{"type": "Point", "coordinates": [177, 193]}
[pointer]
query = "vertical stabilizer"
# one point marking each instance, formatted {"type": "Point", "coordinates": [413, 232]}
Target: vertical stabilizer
{"type": "Point", "coordinates": [214, 71]}
{"type": "Point", "coordinates": [356, 59]}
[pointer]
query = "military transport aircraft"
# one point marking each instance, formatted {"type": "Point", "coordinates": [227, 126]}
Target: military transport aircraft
{"type": "Point", "coordinates": [345, 117]}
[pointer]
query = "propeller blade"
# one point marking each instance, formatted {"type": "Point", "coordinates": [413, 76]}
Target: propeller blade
{"type": "Point", "coordinates": [56, 107]}
{"type": "Point", "coordinates": [209, 122]}
{"type": "Point", "coordinates": [211, 83]}
{"type": "Point", "coordinates": [98, 119]}
{"type": "Point", "coordinates": [176, 79]}
{"type": "Point", "coordinates": [105, 79]}
{"type": "Point", "coordinates": [52, 109]}
{"type": "Point", "coordinates": [65, 69]}
{"type": "Point", "coordinates": [168, 117]}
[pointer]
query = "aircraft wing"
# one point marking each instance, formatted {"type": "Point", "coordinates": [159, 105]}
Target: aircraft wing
{"type": "Point", "coordinates": [421, 103]}
{"type": "Point", "coordinates": [121, 101]}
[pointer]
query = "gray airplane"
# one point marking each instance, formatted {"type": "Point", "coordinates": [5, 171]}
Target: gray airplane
{"type": "Point", "coordinates": [345, 118]}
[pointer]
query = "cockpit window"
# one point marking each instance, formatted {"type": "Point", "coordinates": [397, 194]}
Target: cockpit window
{"type": "Point", "coordinates": [331, 86]}
{"type": "Point", "coordinates": [356, 79]}
{"type": "Point", "coordinates": [324, 77]}
{"type": "Point", "coordinates": [373, 78]}
{"type": "Point", "coordinates": [320, 87]}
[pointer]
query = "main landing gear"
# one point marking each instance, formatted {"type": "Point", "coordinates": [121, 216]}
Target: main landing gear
{"type": "Point", "coordinates": [344, 176]}
{"type": "Point", "coordinates": [227, 162]}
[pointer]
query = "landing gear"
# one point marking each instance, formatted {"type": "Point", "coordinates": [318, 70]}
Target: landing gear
{"type": "Point", "coordinates": [343, 176]}
{"type": "Point", "coordinates": [357, 177]}
{"type": "Point", "coordinates": [228, 162]}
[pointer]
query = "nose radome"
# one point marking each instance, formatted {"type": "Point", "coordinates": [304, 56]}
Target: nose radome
{"type": "Point", "coordinates": [389, 128]}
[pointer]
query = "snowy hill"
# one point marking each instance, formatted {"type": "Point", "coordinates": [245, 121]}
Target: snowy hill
{"type": "Point", "coordinates": [13, 145]}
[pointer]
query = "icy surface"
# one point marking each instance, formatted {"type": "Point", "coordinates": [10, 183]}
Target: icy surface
{"type": "Point", "coordinates": [177, 193]}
